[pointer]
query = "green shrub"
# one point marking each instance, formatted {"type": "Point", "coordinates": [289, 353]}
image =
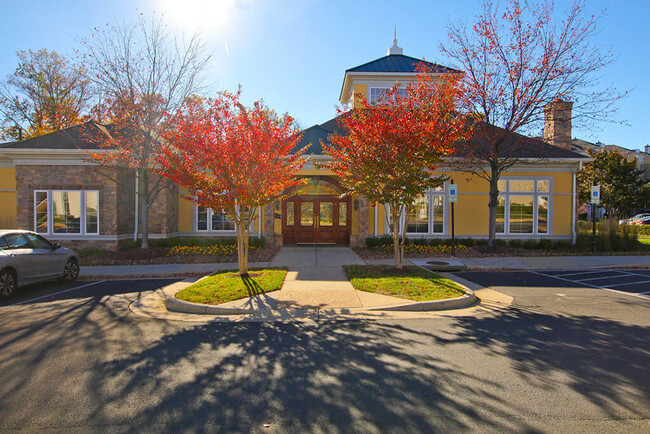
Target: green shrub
{"type": "Point", "coordinates": [379, 242]}
{"type": "Point", "coordinates": [515, 244]}
{"type": "Point", "coordinates": [530, 244]}
{"type": "Point", "coordinates": [502, 243]}
{"type": "Point", "coordinates": [205, 242]}
{"type": "Point", "coordinates": [610, 236]}
{"type": "Point", "coordinates": [482, 242]}
{"type": "Point", "coordinates": [545, 243]}
{"type": "Point", "coordinates": [469, 242]}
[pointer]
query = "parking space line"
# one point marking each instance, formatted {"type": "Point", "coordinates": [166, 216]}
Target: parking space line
{"type": "Point", "coordinates": [588, 272]}
{"type": "Point", "coordinates": [618, 276]}
{"type": "Point", "coordinates": [631, 283]}
{"type": "Point", "coordinates": [639, 295]}
{"type": "Point", "coordinates": [55, 293]}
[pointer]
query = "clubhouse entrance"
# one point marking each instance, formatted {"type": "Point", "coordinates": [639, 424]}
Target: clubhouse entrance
{"type": "Point", "coordinates": [315, 213]}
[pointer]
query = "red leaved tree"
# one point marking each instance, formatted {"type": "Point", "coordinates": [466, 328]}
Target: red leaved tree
{"type": "Point", "coordinates": [391, 148]}
{"type": "Point", "coordinates": [517, 58]}
{"type": "Point", "coordinates": [233, 158]}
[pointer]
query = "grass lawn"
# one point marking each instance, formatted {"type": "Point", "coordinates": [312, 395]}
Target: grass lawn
{"type": "Point", "coordinates": [412, 283]}
{"type": "Point", "coordinates": [229, 286]}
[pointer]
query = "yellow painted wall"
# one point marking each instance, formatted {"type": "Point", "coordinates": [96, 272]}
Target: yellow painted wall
{"type": "Point", "coordinates": [360, 91]}
{"type": "Point", "coordinates": [472, 210]}
{"type": "Point", "coordinates": [8, 198]}
{"type": "Point", "coordinates": [185, 213]}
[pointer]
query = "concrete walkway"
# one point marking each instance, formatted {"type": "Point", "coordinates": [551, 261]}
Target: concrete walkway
{"type": "Point", "coordinates": [316, 280]}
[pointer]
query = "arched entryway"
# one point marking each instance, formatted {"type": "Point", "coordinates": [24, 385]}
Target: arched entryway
{"type": "Point", "coordinates": [315, 213]}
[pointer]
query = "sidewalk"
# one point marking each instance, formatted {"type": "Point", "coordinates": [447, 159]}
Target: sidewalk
{"type": "Point", "coordinates": [299, 258]}
{"type": "Point", "coordinates": [541, 262]}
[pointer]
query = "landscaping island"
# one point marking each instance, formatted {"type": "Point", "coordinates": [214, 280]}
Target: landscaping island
{"type": "Point", "coordinates": [229, 286]}
{"type": "Point", "coordinates": [411, 283]}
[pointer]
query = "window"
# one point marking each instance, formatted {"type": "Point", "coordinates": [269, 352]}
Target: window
{"type": "Point", "coordinates": [378, 94]}
{"type": "Point", "coordinates": [38, 242]}
{"type": "Point", "coordinates": [290, 214]}
{"type": "Point", "coordinates": [524, 206]}
{"type": "Point", "coordinates": [66, 212]}
{"type": "Point", "coordinates": [218, 221]}
{"type": "Point", "coordinates": [418, 221]}
{"type": "Point", "coordinates": [428, 213]}
{"type": "Point", "coordinates": [326, 211]}
{"type": "Point", "coordinates": [343, 214]}
{"type": "Point", "coordinates": [16, 241]}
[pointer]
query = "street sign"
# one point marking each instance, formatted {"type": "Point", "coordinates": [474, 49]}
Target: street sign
{"type": "Point", "coordinates": [595, 194]}
{"type": "Point", "coordinates": [453, 193]}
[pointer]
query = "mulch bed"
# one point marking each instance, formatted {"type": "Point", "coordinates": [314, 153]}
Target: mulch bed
{"type": "Point", "coordinates": [159, 255]}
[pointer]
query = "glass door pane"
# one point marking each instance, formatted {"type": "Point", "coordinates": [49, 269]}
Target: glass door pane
{"type": "Point", "coordinates": [343, 214]}
{"type": "Point", "coordinates": [307, 214]}
{"type": "Point", "coordinates": [290, 215]}
{"type": "Point", "coordinates": [326, 214]}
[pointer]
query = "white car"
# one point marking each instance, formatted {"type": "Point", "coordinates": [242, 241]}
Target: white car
{"type": "Point", "coordinates": [26, 257]}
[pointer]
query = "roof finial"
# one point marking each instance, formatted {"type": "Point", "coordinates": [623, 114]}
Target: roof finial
{"type": "Point", "coordinates": [395, 49]}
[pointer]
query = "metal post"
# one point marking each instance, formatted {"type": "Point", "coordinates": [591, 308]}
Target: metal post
{"type": "Point", "coordinates": [453, 232]}
{"type": "Point", "coordinates": [593, 230]}
{"type": "Point", "coordinates": [593, 234]}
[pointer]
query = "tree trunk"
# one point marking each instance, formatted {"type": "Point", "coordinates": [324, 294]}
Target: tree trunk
{"type": "Point", "coordinates": [242, 243]}
{"type": "Point", "coordinates": [395, 215]}
{"type": "Point", "coordinates": [494, 201]}
{"type": "Point", "coordinates": [403, 245]}
{"type": "Point", "coordinates": [143, 190]}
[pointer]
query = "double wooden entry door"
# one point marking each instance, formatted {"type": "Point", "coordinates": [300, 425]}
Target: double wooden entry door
{"type": "Point", "coordinates": [316, 219]}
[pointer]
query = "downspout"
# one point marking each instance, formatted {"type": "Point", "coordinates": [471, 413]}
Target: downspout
{"type": "Point", "coordinates": [573, 211]}
{"type": "Point", "coordinates": [376, 216]}
{"type": "Point", "coordinates": [137, 200]}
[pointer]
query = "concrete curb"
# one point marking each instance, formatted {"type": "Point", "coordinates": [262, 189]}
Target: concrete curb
{"type": "Point", "coordinates": [465, 300]}
{"type": "Point", "coordinates": [175, 305]}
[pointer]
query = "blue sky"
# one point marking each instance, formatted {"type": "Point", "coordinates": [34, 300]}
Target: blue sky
{"type": "Point", "coordinates": [293, 53]}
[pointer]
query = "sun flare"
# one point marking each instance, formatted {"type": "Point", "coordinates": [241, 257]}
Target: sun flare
{"type": "Point", "coordinates": [206, 16]}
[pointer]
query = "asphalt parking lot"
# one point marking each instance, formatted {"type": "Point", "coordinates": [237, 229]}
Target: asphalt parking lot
{"type": "Point", "coordinates": [52, 291]}
{"type": "Point", "coordinates": [635, 282]}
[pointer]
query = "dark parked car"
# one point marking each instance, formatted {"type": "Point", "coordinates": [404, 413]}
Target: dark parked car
{"type": "Point", "coordinates": [26, 257]}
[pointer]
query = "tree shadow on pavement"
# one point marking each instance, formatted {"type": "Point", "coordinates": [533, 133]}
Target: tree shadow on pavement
{"type": "Point", "coordinates": [602, 360]}
{"type": "Point", "coordinates": [94, 364]}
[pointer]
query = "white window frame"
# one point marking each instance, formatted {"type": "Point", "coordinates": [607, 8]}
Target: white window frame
{"type": "Point", "coordinates": [222, 231]}
{"type": "Point", "coordinates": [385, 89]}
{"type": "Point", "coordinates": [82, 205]}
{"type": "Point", "coordinates": [536, 195]}
{"type": "Point", "coordinates": [429, 234]}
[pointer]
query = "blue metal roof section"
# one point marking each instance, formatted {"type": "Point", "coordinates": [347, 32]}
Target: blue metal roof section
{"type": "Point", "coordinates": [400, 63]}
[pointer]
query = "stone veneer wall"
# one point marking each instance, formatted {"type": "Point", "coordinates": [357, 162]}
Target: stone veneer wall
{"type": "Point", "coordinates": [359, 239]}
{"type": "Point", "coordinates": [272, 239]}
{"type": "Point", "coordinates": [163, 214]}
{"type": "Point", "coordinates": [83, 177]}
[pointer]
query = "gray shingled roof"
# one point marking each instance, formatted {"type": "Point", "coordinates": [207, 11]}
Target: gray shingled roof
{"type": "Point", "coordinates": [76, 137]}
{"type": "Point", "coordinates": [516, 146]}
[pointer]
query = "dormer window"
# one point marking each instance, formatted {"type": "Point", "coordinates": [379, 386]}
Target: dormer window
{"type": "Point", "coordinates": [378, 94]}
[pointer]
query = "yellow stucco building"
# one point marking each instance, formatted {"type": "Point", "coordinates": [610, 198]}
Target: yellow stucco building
{"type": "Point", "coordinates": [47, 185]}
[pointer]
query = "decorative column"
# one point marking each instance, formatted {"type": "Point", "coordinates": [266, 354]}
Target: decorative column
{"type": "Point", "coordinates": [272, 239]}
{"type": "Point", "coordinates": [359, 240]}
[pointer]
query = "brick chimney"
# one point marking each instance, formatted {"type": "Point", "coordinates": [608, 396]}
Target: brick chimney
{"type": "Point", "coordinates": [557, 124]}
